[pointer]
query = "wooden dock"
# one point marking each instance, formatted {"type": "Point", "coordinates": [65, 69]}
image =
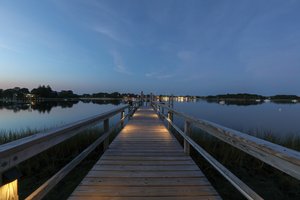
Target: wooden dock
{"type": "Point", "coordinates": [145, 162]}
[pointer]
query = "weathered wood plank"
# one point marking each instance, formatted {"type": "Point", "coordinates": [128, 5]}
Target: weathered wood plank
{"type": "Point", "coordinates": [145, 154]}
{"type": "Point", "coordinates": [174, 150]}
{"type": "Point", "coordinates": [146, 198]}
{"type": "Point", "coordinates": [145, 168]}
{"type": "Point", "coordinates": [144, 158]}
{"type": "Point", "coordinates": [142, 191]}
{"type": "Point", "coordinates": [145, 162]}
{"type": "Point", "coordinates": [164, 174]}
{"type": "Point", "coordinates": [131, 181]}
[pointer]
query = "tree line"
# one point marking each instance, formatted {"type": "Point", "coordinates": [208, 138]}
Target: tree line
{"type": "Point", "coordinates": [43, 91]}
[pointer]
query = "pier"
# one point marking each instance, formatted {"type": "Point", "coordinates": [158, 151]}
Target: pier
{"type": "Point", "coordinates": [145, 160]}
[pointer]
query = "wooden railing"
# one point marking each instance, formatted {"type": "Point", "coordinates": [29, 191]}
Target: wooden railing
{"type": "Point", "coordinates": [13, 153]}
{"type": "Point", "coordinates": [282, 158]}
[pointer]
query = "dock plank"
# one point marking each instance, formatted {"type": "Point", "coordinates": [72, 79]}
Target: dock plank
{"type": "Point", "coordinates": [146, 162]}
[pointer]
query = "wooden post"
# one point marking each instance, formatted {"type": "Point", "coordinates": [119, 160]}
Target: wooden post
{"type": "Point", "coordinates": [187, 131]}
{"type": "Point", "coordinates": [106, 129]}
{"type": "Point", "coordinates": [122, 116]}
{"type": "Point", "coordinates": [9, 191]}
{"type": "Point", "coordinates": [170, 117]}
{"type": "Point", "coordinates": [142, 98]}
{"type": "Point", "coordinates": [130, 109]}
{"type": "Point", "coordinates": [159, 109]}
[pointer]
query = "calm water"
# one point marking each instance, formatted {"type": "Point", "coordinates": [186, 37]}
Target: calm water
{"type": "Point", "coordinates": [49, 114]}
{"type": "Point", "coordinates": [279, 119]}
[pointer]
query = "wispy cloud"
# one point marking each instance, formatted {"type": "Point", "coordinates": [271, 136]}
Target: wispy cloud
{"type": "Point", "coordinates": [159, 75]}
{"type": "Point", "coordinates": [7, 47]}
{"type": "Point", "coordinates": [119, 64]}
{"type": "Point", "coordinates": [186, 55]}
{"type": "Point", "coordinates": [111, 34]}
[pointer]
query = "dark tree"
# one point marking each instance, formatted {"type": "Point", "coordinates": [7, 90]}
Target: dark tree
{"type": "Point", "coordinates": [115, 95]}
{"type": "Point", "coordinates": [284, 97]}
{"type": "Point", "coordinates": [9, 93]}
{"type": "Point", "coordinates": [44, 91]}
{"type": "Point", "coordinates": [67, 94]}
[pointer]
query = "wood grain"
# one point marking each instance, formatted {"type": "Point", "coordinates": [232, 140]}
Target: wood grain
{"type": "Point", "coordinates": [145, 162]}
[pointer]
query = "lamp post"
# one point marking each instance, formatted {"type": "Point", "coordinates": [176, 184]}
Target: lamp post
{"type": "Point", "coordinates": [9, 184]}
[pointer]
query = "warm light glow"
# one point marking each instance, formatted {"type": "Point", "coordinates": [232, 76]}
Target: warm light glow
{"type": "Point", "coordinates": [9, 191]}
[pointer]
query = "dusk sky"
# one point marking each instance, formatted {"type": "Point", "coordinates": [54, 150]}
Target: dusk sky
{"type": "Point", "coordinates": [195, 47]}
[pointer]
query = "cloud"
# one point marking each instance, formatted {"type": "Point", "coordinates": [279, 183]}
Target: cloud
{"type": "Point", "coordinates": [159, 75]}
{"type": "Point", "coordinates": [9, 48]}
{"type": "Point", "coordinates": [186, 55]}
{"type": "Point", "coordinates": [110, 34]}
{"type": "Point", "coordinates": [119, 64]}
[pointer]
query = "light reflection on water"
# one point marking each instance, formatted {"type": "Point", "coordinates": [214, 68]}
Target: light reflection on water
{"type": "Point", "coordinates": [280, 119]}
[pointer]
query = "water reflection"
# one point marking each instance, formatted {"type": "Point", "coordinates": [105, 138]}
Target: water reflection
{"type": "Point", "coordinates": [270, 117]}
{"type": "Point", "coordinates": [100, 102]}
{"type": "Point", "coordinates": [247, 102]}
{"type": "Point", "coordinates": [235, 102]}
{"type": "Point", "coordinates": [49, 114]}
{"type": "Point", "coordinates": [46, 106]}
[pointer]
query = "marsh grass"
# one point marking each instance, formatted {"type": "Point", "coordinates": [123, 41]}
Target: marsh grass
{"type": "Point", "coordinates": [38, 169]}
{"type": "Point", "coordinates": [267, 181]}
{"type": "Point", "coordinates": [10, 135]}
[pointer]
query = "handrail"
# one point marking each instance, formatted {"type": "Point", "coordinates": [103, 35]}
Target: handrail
{"type": "Point", "coordinates": [235, 181]}
{"type": "Point", "coordinates": [282, 158]}
{"type": "Point", "coordinates": [15, 152]}
{"type": "Point", "coordinates": [40, 192]}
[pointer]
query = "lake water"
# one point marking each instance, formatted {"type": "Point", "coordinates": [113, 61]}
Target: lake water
{"type": "Point", "coordinates": [275, 118]}
{"type": "Point", "coordinates": [280, 119]}
{"type": "Point", "coordinates": [47, 115]}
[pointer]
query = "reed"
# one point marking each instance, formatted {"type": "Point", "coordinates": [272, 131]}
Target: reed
{"type": "Point", "coordinates": [267, 181]}
{"type": "Point", "coordinates": [10, 135]}
{"type": "Point", "coordinates": [38, 169]}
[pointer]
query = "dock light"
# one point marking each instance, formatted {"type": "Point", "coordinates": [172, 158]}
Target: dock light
{"type": "Point", "coordinates": [9, 184]}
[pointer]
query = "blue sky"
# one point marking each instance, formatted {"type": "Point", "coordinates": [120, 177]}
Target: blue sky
{"type": "Point", "coordinates": [195, 47]}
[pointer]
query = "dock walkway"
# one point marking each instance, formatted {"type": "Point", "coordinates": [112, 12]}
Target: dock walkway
{"type": "Point", "coordinates": [145, 162]}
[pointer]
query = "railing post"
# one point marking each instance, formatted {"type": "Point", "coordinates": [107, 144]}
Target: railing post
{"type": "Point", "coordinates": [9, 190]}
{"type": "Point", "coordinates": [159, 111]}
{"type": "Point", "coordinates": [130, 110]}
{"type": "Point", "coordinates": [122, 117]}
{"type": "Point", "coordinates": [9, 184]}
{"type": "Point", "coordinates": [187, 131]}
{"type": "Point", "coordinates": [170, 117]}
{"type": "Point", "coordinates": [106, 129]}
